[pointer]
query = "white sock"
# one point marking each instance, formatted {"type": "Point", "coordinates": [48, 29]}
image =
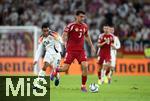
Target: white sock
{"type": "Point", "coordinates": [110, 73]}
{"type": "Point", "coordinates": [42, 73]}
{"type": "Point", "coordinates": [102, 74]}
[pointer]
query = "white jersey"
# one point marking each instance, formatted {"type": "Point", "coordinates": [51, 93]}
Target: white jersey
{"type": "Point", "coordinates": [52, 45]}
{"type": "Point", "coordinates": [117, 45]}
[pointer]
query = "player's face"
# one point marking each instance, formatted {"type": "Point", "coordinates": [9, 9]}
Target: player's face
{"type": "Point", "coordinates": [80, 17]}
{"type": "Point", "coordinates": [106, 29]}
{"type": "Point", "coordinates": [45, 31]}
{"type": "Point", "coordinates": [111, 29]}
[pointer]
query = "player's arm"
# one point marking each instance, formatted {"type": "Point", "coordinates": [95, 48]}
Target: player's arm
{"type": "Point", "coordinates": [100, 43]}
{"type": "Point", "coordinates": [57, 37]}
{"type": "Point", "coordinates": [65, 38]}
{"type": "Point", "coordinates": [88, 39]}
{"type": "Point", "coordinates": [65, 34]}
{"type": "Point", "coordinates": [116, 44]}
{"type": "Point", "coordinates": [38, 53]}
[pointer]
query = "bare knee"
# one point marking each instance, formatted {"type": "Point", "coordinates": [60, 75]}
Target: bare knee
{"type": "Point", "coordinates": [66, 67]}
{"type": "Point", "coordinates": [100, 67]}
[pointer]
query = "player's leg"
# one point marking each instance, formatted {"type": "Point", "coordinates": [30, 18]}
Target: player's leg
{"type": "Point", "coordinates": [46, 61]}
{"type": "Point", "coordinates": [57, 59]}
{"type": "Point", "coordinates": [81, 58]}
{"type": "Point", "coordinates": [55, 64]}
{"type": "Point", "coordinates": [107, 68]}
{"type": "Point", "coordinates": [64, 68]}
{"type": "Point", "coordinates": [109, 62]}
{"type": "Point", "coordinates": [41, 75]}
{"type": "Point", "coordinates": [100, 71]}
{"type": "Point", "coordinates": [68, 60]}
{"type": "Point", "coordinates": [84, 75]}
{"type": "Point", "coordinates": [42, 71]}
{"type": "Point", "coordinates": [113, 64]}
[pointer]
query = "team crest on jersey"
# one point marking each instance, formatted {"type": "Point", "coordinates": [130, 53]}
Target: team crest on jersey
{"type": "Point", "coordinates": [76, 29]}
{"type": "Point", "coordinates": [111, 38]}
{"type": "Point", "coordinates": [80, 30]}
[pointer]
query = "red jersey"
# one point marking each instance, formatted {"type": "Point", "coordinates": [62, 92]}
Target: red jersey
{"type": "Point", "coordinates": [76, 33]}
{"type": "Point", "coordinates": [106, 48]}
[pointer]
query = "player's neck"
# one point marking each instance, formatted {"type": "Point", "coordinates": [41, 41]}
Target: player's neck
{"type": "Point", "coordinates": [45, 35]}
{"type": "Point", "coordinates": [106, 33]}
{"type": "Point", "coordinates": [78, 22]}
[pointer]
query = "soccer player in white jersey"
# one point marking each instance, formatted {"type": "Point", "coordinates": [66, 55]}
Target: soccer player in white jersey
{"type": "Point", "coordinates": [114, 47]}
{"type": "Point", "coordinates": [51, 42]}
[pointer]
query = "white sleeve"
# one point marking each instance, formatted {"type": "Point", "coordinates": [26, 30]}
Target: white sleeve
{"type": "Point", "coordinates": [39, 52]}
{"type": "Point", "coordinates": [117, 43]}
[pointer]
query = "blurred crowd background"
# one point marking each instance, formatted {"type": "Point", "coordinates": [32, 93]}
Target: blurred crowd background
{"type": "Point", "coordinates": [131, 18]}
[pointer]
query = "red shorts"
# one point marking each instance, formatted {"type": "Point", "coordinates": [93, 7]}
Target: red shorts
{"type": "Point", "coordinates": [71, 55]}
{"type": "Point", "coordinates": [104, 59]}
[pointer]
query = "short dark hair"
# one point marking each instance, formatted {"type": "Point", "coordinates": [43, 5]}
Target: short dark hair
{"type": "Point", "coordinates": [78, 12]}
{"type": "Point", "coordinates": [105, 24]}
{"type": "Point", "coordinates": [111, 25]}
{"type": "Point", "coordinates": [45, 25]}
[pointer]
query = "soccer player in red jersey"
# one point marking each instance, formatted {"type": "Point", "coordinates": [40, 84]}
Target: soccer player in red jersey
{"type": "Point", "coordinates": [104, 55]}
{"type": "Point", "coordinates": [73, 37]}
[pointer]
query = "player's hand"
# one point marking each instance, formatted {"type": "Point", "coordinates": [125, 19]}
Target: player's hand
{"type": "Point", "coordinates": [35, 62]}
{"type": "Point", "coordinates": [107, 41]}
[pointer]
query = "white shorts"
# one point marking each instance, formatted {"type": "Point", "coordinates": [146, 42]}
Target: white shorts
{"type": "Point", "coordinates": [53, 59]}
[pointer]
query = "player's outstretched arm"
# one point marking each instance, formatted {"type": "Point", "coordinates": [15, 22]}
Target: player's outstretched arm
{"type": "Point", "coordinates": [38, 53]}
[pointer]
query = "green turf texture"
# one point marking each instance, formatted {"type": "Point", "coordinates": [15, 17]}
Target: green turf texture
{"type": "Point", "coordinates": [122, 88]}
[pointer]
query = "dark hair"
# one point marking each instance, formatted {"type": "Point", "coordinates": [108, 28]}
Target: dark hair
{"type": "Point", "coordinates": [111, 25]}
{"type": "Point", "coordinates": [78, 12]}
{"type": "Point", "coordinates": [45, 25]}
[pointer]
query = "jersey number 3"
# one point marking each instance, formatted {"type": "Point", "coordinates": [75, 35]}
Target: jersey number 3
{"type": "Point", "coordinates": [80, 35]}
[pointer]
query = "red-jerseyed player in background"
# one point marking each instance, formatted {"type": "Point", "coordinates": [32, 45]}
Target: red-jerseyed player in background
{"type": "Point", "coordinates": [73, 37]}
{"type": "Point", "coordinates": [104, 54]}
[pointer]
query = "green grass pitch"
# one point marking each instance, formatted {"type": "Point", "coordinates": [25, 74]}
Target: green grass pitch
{"type": "Point", "coordinates": [122, 88]}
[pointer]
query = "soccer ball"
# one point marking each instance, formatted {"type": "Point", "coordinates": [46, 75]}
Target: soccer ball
{"type": "Point", "coordinates": [94, 88]}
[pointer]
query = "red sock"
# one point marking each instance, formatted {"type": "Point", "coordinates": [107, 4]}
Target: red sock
{"type": "Point", "coordinates": [99, 75]}
{"type": "Point", "coordinates": [84, 79]}
{"type": "Point", "coordinates": [107, 71]}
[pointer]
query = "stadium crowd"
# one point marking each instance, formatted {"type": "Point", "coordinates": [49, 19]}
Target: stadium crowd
{"type": "Point", "coordinates": [131, 20]}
